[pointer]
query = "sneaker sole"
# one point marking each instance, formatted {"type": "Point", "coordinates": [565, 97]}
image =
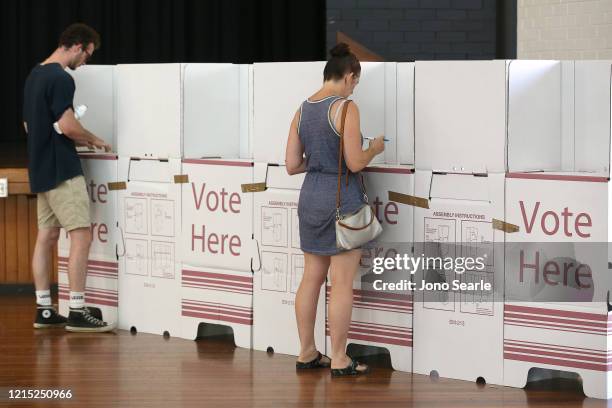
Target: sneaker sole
{"type": "Point", "coordinates": [49, 326]}
{"type": "Point", "coordinates": [76, 329]}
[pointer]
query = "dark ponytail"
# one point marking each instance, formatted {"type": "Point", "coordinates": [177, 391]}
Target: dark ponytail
{"type": "Point", "coordinates": [341, 62]}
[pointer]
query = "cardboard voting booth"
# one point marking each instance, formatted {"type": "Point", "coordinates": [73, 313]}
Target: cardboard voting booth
{"type": "Point", "coordinates": [217, 246]}
{"type": "Point", "coordinates": [462, 111]}
{"type": "Point", "coordinates": [460, 116]}
{"type": "Point", "coordinates": [557, 309]}
{"type": "Point", "coordinates": [458, 331]}
{"type": "Point", "coordinates": [182, 110]}
{"type": "Point", "coordinates": [200, 111]}
{"type": "Point", "coordinates": [149, 222]}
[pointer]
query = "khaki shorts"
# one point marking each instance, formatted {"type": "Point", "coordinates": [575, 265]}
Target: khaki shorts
{"type": "Point", "coordinates": [67, 206]}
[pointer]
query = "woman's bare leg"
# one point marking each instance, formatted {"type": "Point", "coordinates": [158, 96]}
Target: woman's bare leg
{"type": "Point", "coordinates": [344, 266]}
{"type": "Point", "coordinates": [306, 299]}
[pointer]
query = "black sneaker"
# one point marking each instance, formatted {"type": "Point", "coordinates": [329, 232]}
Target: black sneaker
{"type": "Point", "coordinates": [95, 312]}
{"type": "Point", "coordinates": [82, 320]}
{"type": "Point", "coordinates": [47, 318]}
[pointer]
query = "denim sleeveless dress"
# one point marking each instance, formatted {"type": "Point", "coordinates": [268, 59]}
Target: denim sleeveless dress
{"type": "Point", "coordinates": [317, 204]}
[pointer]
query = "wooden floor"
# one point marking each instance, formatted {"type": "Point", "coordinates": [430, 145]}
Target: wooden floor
{"type": "Point", "coordinates": [145, 370]}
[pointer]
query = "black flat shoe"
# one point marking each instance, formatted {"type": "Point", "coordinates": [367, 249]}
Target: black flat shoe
{"type": "Point", "coordinates": [316, 363]}
{"type": "Point", "coordinates": [350, 369]}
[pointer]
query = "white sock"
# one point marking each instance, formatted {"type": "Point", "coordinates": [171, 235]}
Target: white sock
{"type": "Point", "coordinates": [77, 300]}
{"type": "Point", "coordinates": [43, 297]}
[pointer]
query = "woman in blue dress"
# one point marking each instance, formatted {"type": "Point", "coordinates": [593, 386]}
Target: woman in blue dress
{"type": "Point", "coordinates": [313, 147]}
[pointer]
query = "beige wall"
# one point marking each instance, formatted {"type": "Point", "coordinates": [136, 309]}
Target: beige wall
{"type": "Point", "coordinates": [564, 29]}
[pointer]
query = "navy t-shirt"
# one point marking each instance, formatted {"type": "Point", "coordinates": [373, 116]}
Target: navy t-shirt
{"type": "Point", "coordinates": [53, 158]}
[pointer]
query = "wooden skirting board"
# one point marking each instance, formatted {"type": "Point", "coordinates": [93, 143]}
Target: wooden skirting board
{"type": "Point", "coordinates": [18, 182]}
{"type": "Point", "coordinates": [18, 229]}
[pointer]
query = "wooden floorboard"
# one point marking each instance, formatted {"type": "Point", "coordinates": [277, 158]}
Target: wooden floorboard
{"type": "Point", "coordinates": [121, 369]}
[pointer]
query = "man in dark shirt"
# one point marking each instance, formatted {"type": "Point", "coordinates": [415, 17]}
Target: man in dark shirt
{"type": "Point", "coordinates": [57, 178]}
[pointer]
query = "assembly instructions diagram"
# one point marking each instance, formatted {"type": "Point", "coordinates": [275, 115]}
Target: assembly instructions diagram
{"type": "Point", "coordinates": [162, 259]}
{"type": "Point", "coordinates": [274, 226]}
{"type": "Point", "coordinates": [274, 271]}
{"type": "Point", "coordinates": [162, 218]}
{"type": "Point", "coordinates": [282, 261]}
{"type": "Point", "coordinates": [136, 259]}
{"type": "Point", "coordinates": [476, 241]}
{"type": "Point", "coordinates": [149, 236]}
{"type": "Point", "coordinates": [439, 241]}
{"type": "Point", "coordinates": [136, 218]}
{"type": "Point", "coordinates": [477, 302]}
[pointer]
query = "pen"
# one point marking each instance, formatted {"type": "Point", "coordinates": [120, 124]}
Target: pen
{"type": "Point", "coordinates": [371, 138]}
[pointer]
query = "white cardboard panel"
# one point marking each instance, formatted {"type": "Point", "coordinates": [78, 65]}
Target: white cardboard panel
{"type": "Point", "coordinates": [95, 86]}
{"type": "Point", "coordinates": [460, 119]}
{"type": "Point", "coordinates": [217, 215]}
{"type": "Point", "coordinates": [459, 335]}
{"type": "Point", "coordinates": [190, 110]}
{"type": "Point", "coordinates": [212, 110]}
{"type": "Point", "coordinates": [396, 219]}
{"type": "Point", "coordinates": [377, 112]}
{"type": "Point", "coordinates": [567, 115]}
{"type": "Point", "coordinates": [405, 113]}
{"type": "Point", "coordinates": [99, 170]}
{"type": "Point", "coordinates": [149, 262]}
{"type": "Point", "coordinates": [149, 110]}
{"type": "Point", "coordinates": [217, 296]}
{"type": "Point", "coordinates": [246, 111]}
{"type": "Point", "coordinates": [278, 95]}
{"type": "Point", "coordinates": [101, 288]}
{"type": "Point", "coordinates": [282, 265]}
{"type": "Point", "coordinates": [391, 125]}
{"type": "Point", "coordinates": [576, 329]}
{"type": "Point", "coordinates": [592, 115]}
{"type": "Point", "coordinates": [534, 115]}
{"type": "Point", "coordinates": [278, 91]}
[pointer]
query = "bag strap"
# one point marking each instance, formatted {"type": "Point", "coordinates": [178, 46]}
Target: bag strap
{"type": "Point", "coordinates": [372, 216]}
{"type": "Point", "coordinates": [342, 120]}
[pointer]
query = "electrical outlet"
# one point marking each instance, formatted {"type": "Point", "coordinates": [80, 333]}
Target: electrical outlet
{"type": "Point", "coordinates": [3, 187]}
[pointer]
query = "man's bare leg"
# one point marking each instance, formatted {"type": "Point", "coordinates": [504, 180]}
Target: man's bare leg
{"type": "Point", "coordinates": [80, 242]}
{"type": "Point", "coordinates": [41, 260]}
{"type": "Point", "coordinates": [46, 315]}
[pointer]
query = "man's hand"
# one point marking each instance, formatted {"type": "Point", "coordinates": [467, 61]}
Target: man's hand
{"type": "Point", "coordinates": [98, 143]}
{"type": "Point", "coordinates": [72, 129]}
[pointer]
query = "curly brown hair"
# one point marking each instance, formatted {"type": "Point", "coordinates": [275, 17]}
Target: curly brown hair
{"type": "Point", "coordinates": [79, 33]}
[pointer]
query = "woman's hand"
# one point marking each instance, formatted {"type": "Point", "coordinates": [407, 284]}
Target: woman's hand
{"type": "Point", "coordinates": [378, 144]}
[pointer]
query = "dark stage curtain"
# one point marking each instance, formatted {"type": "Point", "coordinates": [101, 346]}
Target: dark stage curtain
{"type": "Point", "coordinates": [151, 31]}
{"type": "Point", "coordinates": [506, 29]}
